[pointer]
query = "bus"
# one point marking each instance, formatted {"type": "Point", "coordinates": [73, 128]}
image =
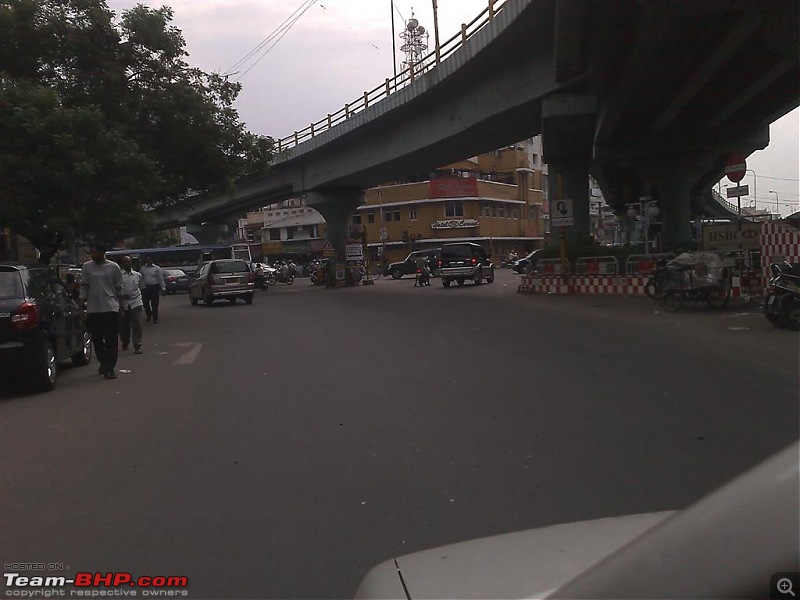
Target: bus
{"type": "Point", "coordinates": [186, 257]}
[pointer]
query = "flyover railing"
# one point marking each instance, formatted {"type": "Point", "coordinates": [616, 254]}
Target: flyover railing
{"type": "Point", "coordinates": [390, 86]}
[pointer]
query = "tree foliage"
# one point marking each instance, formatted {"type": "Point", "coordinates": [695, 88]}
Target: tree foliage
{"type": "Point", "coordinates": [101, 119]}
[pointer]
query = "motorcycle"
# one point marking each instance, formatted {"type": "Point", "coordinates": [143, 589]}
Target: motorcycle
{"type": "Point", "coordinates": [281, 275]}
{"type": "Point", "coordinates": [422, 277]}
{"type": "Point", "coordinates": [782, 304]}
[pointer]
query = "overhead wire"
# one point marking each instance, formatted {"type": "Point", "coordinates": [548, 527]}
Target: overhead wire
{"type": "Point", "coordinates": [271, 40]}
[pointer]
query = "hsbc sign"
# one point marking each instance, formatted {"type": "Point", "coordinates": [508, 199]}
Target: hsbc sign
{"type": "Point", "coordinates": [726, 237]}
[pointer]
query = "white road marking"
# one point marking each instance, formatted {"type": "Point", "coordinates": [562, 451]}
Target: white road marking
{"type": "Point", "coordinates": [188, 357]}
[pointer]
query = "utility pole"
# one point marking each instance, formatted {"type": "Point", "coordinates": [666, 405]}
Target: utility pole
{"type": "Point", "coordinates": [436, 29]}
{"type": "Point", "coordinates": [394, 49]}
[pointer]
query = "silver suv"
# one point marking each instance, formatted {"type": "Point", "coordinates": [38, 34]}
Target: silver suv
{"type": "Point", "coordinates": [462, 261]}
{"type": "Point", "coordinates": [228, 278]}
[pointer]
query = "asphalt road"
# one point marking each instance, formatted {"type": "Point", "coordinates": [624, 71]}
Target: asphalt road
{"type": "Point", "coordinates": [282, 449]}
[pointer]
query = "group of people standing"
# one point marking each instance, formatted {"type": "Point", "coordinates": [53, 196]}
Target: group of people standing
{"type": "Point", "coordinates": [114, 298]}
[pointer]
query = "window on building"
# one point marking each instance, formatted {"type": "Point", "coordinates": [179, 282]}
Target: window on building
{"type": "Point", "coordinates": [290, 231]}
{"type": "Point", "coordinates": [501, 212]}
{"type": "Point", "coordinates": [545, 186]}
{"type": "Point", "coordinates": [370, 217]}
{"type": "Point", "coordinates": [275, 234]}
{"type": "Point", "coordinates": [454, 208]}
{"type": "Point", "coordinates": [515, 213]}
{"type": "Point", "coordinates": [532, 213]}
{"type": "Point", "coordinates": [412, 214]}
{"type": "Point", "coordinates": [356, 219]}
{"type": "Point", "coordinates": [534, 159]}
{"type": "Point", "coordinates": [387, 216]}
{"type": "Point", "coordinates": [396, 215]}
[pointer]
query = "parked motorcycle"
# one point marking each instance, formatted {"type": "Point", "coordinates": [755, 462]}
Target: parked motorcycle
{"type": "Point", "coordinates": [782, 304]}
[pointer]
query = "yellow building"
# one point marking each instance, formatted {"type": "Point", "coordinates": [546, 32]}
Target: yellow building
{"type": "Point", "coordinates": [495, 199]}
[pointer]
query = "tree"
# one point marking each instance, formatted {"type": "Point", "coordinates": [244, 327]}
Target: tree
{"type": "Point", "coordinates": [102, 120]}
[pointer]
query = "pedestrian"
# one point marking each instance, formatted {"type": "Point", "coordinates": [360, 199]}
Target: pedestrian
{"type": "Point", "coordinates": [73, 287]}
{"type": "Point", "coordinates": [421, 277]}
{"type": "Point", "coordinates": [153, 278]}
{"type": "Point", "coordinates": [130, 322]}
{"type": "Point", "coordinates": [101, 298]}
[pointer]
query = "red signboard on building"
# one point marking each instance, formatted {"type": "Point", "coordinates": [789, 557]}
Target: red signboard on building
{"type": "Point", "coordinates": [453, 187]}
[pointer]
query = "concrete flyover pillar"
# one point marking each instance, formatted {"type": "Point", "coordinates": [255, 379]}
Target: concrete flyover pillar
{"type": "Point", "coordinates": [570, 179]}
{"type": "Point", "coordinates": [208, 233]}
{"type": "Point", "coordinates": [568, 125]}
{"type": "Point", "coordinates": [336, 206]}
{"type": "Point", "coordinates": [672, 179]}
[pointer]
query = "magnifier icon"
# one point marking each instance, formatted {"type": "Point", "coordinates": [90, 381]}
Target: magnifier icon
{"type": "Point", "coordinates": [785, 586]}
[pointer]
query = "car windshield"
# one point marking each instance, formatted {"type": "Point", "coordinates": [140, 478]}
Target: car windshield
{"type": "Point", "coordinates": [10, 284]}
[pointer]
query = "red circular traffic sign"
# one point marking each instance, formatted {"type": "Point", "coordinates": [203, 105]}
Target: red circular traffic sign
{"type": "Point", "coordinates": [735, 167]}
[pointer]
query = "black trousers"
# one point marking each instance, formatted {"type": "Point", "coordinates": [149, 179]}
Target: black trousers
{"type": "Point", "coordinates": [151, 296]}
{"type": "Point", "coordinates": [104, 329]}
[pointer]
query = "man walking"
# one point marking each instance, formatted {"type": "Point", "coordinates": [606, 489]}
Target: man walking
{"type": "Point", "coordinates": [153, 278]}
{"type": "Point", "coordinates": [132, 307]}
{"type": "Point", "coordinates": [101, 295]}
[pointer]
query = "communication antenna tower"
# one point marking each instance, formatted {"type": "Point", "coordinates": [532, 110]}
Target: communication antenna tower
{"type": "Point", "coordinates": [415, 42]}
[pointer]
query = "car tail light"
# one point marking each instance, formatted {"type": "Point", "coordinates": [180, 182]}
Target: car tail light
{"type": "Point", "coordinates": [474, 261]}
{"type": "Point", "coordinates": [440, 263]}
{"type": "Point", "coordinates": [171, 279]}
{"type": "Point", "coordinates": [26, 317]}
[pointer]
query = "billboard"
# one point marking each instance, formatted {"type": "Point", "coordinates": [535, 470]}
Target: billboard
{"type": "Point", "coordinates": [453, 187]}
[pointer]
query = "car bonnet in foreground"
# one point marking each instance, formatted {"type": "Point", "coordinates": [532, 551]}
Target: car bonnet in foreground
{"type": "Point", "coordinates": [727, 545]}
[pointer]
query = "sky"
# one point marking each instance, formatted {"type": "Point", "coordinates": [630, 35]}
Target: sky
{"type": "Point", "coordinates": [338, 49]}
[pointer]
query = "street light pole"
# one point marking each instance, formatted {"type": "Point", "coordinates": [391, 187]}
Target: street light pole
{"type": "Point", "coordinates": [777, 205]}
{"type": "Point", "coordinates": [755, 187]}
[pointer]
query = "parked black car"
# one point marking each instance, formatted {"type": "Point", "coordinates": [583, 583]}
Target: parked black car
{"type": "Point", "coordinates": [40, 326]}
{"type": "Point", "coordinates": [409, 265]}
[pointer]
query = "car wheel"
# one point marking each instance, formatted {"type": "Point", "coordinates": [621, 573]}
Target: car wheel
{"type": "Point", "coordinates": [84, 357]}
{"type": "Point", "coordinates": [248, 298]}
{"type": "Point", "coordinates": [208, 299]}
{"type": "Point", "coordinates": [460, 282]}
{"type": "Point", "coordinates": [479, 279]}
{"type": "Point", "coordinates": [490, 278]}
{"type": "Point", "coordinates": [446, 282]}
{"type": "Point", "coordinates": [397, 274]}
{"type": "Point", "coordinates": [192, 299]}
{"type": "Point", "coordinates": [44, 376]}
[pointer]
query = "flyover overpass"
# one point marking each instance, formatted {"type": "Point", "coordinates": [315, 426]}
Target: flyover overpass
{"type": "Point", "coordinates": [647, 96]}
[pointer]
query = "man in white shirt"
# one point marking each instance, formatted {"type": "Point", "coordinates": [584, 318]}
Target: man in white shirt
{"type": "Point", "coordinates": [100, 297]}
{"type": "Point", "coordinates": [132, 307]}
{"type": "Point", "coordinates": [153, 279]}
